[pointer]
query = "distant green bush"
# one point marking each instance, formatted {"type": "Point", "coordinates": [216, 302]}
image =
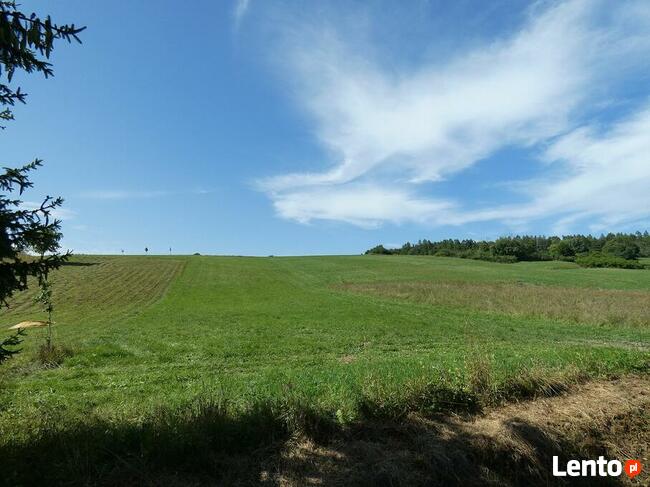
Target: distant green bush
{"type": "Point", "coordinates": [503, 259]}
{"type": "Point", "coordinates": [379, 249]}
{"type": "Point", "coordinates": [622, 246]}
{"type": "Point", "coordinates": [477, 255]}
{"type": "Point", "coordinates": [521, 248]}
{"type": "Point", "coordinates": [446, 253]}
{"type": "Point", "coordinates": [602, 260]}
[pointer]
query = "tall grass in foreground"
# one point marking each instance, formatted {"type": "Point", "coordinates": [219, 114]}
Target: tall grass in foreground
{"type": "Point", "coordinates": [203, 436]}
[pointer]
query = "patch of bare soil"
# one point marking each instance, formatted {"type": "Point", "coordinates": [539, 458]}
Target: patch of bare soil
{"type": "Point", "coordinates": [508, 446]}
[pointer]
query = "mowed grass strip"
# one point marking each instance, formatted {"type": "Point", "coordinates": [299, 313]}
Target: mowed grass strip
{"type": "Point", "coordinates": [93, 289]}
{"type": "Point", "coordinates": [579, 305]}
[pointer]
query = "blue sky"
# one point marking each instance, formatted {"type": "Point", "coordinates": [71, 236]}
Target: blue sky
{"type": "Point", "coordinates": [259, 127]}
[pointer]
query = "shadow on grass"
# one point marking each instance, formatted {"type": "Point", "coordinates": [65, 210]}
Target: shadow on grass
{"type": "Point", "coordinates": [77, 264]}
{"type": "Point", "coordinates": [443, 452]}
{"type": "Point", "coordinates": [200, 442]}
{"type": "Point", "coordinates": [287, 443]}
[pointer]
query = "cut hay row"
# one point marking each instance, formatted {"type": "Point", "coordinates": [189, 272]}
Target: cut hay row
{"type": "Point", "coordinates": [101, 289]}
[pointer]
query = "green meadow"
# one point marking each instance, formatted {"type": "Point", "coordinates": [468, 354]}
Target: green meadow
{"type": "Point", "coordinates": [282, 343]}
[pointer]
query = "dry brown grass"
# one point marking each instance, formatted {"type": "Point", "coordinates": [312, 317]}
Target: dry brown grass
{"type": "Point", "coordinates": [580, 305]}
{"type": "Point", "coordinates": [508, 446]}
{"type": "Point", "coordinates": [28, 324]}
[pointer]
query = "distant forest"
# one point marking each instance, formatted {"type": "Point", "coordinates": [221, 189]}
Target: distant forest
{"type": "Point", "coordinates": [611, 250]}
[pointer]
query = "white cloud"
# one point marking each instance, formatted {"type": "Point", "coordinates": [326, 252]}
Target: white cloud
{"type": "Point", "coordinates": [609, 173]}
{"type": "Point", "coordinates": [122, 195]}
{"type": "Point", "coordinates": [128, 195]}
{"type": "Point", "coordinates": [605, 179]}
{"type": "Point", "coordinates": [79, 227]}
{"type": "Point", "coordinates": [240, 10]}
{"type": "Point", "coordinates": [60, 213]}
{"type": "Point", "coordinates": [363, 205]}
{"type": "Point", "coordinates": [390, 132]}
{"type": "Point", "coordinates": [64, 213]}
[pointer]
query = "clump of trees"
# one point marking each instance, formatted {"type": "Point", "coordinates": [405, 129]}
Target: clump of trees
{"type": "Point", "coordinates": [598, 259]}
{"type": "Point", "coordinates": [611, 250]}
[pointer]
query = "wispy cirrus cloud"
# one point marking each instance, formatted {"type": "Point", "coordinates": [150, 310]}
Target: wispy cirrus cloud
{"type": "Point", "coordinates": [239, 11]}
{"type": "Point", "coordinates": [121, 194]}
{"type": "Point", "coordinates": [136, 194]}
{"type": "Point", "coordinates": [60, 213]}
{"type": "Point", "coordinates": [390, 131]}
{"type": "Point", "coordinates": [604, 179]}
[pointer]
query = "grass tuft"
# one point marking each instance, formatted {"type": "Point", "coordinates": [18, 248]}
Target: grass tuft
{"type": "Point", "coordinates": [52, 356]}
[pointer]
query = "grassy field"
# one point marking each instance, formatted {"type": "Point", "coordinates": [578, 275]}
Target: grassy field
{"type": "Point", "coordinates": [250, 350]}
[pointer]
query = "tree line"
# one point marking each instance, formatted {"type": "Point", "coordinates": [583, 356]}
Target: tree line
{"type": "Point", "coordinates": [611, 250]}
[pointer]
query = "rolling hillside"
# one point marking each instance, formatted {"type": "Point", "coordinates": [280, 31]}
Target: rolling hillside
{"type": "Point", "coordinates": [350, 337]}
